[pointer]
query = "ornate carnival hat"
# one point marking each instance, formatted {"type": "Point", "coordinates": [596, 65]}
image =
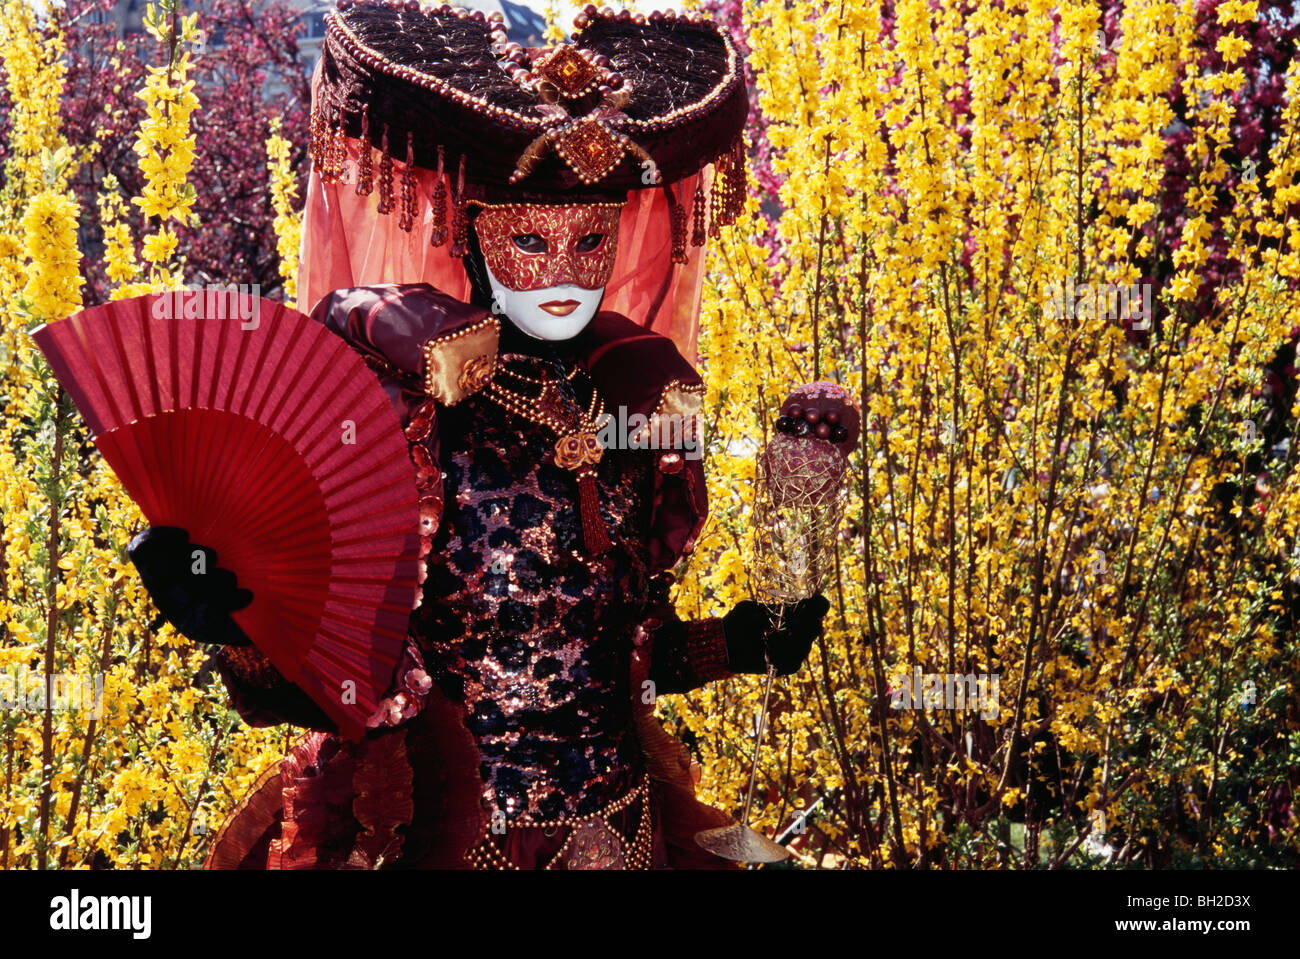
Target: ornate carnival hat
{"type": "Point", "coordinates": [419, 113]}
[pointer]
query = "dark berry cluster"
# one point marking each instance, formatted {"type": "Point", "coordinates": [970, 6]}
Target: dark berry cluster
{"type": "Point", "coordinates": [810, 421]}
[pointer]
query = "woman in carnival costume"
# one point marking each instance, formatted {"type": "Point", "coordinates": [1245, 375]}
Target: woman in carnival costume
{"type": "Point", "coordinates": [513, 239]}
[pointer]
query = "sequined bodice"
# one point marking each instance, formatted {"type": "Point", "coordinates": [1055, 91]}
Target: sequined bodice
{"type": "Point", "coordinates": [525, 629]}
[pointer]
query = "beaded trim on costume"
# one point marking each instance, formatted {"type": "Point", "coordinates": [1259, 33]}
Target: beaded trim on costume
{"type": "Point", "coordinates": [460, 363]}
{"type": "Point", "coordinates": [678, 386]}
{"type": "Point", "coordinates": [627, 855]}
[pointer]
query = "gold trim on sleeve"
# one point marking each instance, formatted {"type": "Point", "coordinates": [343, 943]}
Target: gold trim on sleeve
{"type": "Point", "coordinates": [460, 363]}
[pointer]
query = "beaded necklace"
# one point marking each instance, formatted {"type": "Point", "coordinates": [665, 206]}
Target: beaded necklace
{"type": "Point", "coordinates": [577, 447]}
{"type": "Point", "coordinates": [536, 380]}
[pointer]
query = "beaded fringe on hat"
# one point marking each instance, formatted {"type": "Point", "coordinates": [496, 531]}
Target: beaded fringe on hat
{"type": "Point", "coordinates": [708, 213]}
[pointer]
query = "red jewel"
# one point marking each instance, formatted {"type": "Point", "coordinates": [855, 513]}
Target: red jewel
{"type": "Point", "coordinates": [671, 463]}
{"type": "Point", "coordinates": [418, 679]}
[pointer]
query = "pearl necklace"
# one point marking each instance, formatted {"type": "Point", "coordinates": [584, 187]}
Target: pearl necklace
{"type": "Point", "coordinates": [524, 377]}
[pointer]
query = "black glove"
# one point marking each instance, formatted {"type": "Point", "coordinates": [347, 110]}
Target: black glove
{"type": "Point", "coordinates": [197, 604]}
{"type": "Point", "coordinates": [753, 639]}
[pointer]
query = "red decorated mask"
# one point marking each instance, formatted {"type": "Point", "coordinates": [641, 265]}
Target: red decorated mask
{"type": "Point", "coordinates": [536, 246]}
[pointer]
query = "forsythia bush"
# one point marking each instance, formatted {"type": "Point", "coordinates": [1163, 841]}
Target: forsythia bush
{"type": "Point", "coordinates": [1091, 503]}
{"type": "Point", "coordinates": [146, 782]}
{"type": "Point", "coordinates": [1088, 502]}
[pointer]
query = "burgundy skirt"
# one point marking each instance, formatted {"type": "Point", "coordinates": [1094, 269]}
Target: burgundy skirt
{"type": "Point", "coordinates": [410, 798]}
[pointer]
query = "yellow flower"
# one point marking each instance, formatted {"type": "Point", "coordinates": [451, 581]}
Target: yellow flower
{"type": "Point", "coordinates": [50, 238]}
{"type": "Point", "coordinates": [288, 223]}
{"type": "Point", "coordinates": [159, 246]}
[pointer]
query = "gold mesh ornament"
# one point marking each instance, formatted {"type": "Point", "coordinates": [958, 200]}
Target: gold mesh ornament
{"type": "Point", "coordinates": [799, 502]}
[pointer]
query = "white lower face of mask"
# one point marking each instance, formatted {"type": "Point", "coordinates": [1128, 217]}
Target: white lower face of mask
{"type": "Point", "coordinates": [554, 313]}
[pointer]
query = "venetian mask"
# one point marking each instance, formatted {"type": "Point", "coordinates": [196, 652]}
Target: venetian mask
{"type": "Point", "coordinates": [548, 265]}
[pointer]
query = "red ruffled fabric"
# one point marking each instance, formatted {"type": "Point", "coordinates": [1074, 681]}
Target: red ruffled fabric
{"type": "Point", "coordinates": [242, 841]}
{"type": "Point", "coordinates": [444, 759]}
{"type": "Point", "coordinates": [317, 825]}
{"type": "Point", "coordinates": [407, 796]}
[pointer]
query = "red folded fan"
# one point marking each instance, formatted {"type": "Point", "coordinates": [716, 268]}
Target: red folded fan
{"type": "Point", "coordinates": [271, 442]}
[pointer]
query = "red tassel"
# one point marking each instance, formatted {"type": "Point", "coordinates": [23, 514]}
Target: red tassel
{"type": "Point", "coordinates": [677, 222]}
{"type": "Point", "coordinates": [460, 220]}
{"type": "Point", "coordinates": [406, 217]}
{"type": "Point", "coordinates": [718, 196]}
{"type": "Point", "coordinates": [721, 200]}
{"type": "Point", "coordinates": [332, 152]}
{"type": "Point", "coordinates": [697, 226]}
{"type": "Point", "coordinates": [594, 535]}
{"type": "Point", "coordinates": [366, 169]}
{"type": "Point", "coordinates": [739, 179]}
{"type": "Point", "coordinates": [318, 137]}
{"type": "Point", "coordinates": [438, 235]}
{"type": "Point", "coordinates": [385, 176]}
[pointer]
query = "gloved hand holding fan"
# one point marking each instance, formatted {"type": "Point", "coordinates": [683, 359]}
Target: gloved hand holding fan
{"type": "Point", "coordinates": [272, 448]}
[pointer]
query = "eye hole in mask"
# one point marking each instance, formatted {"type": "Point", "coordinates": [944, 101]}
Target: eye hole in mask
{"type": "Point", "coordinates": [590, 243]}
{"type": "Point", "coordinates": [530, 243]}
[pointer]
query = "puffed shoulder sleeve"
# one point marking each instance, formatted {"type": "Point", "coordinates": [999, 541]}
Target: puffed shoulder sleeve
{"type": "Point", "coordinates": [402, 331]}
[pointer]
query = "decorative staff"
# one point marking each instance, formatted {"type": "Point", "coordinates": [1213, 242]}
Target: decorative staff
{"type": "Point", "coordinates": [798, 505]}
